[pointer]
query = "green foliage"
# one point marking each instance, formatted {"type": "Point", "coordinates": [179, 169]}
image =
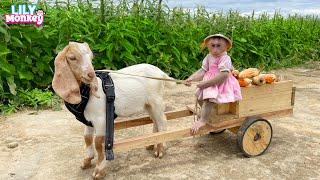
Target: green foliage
{"type": "Point", "coordinates": [35, 98]}
{"type": "Point", "coordinates": [127, 33]}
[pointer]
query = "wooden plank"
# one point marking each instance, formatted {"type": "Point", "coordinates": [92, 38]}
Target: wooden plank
{"type": "Point", "coordinates": [159, 137]}
{"type": "Point", "coordinates": [234, 108]}
{"type": "Point", "coordinates": [234, 130]}
{"type": "Point", "coordinates": [275, 88]}
{"type": "Point", "coordinates": [277, 114]}
{"type": "Point", "coordinates": [127, 123]}
{"type": "Point", "coordinates": [266, 94]}
{"type": "Point", "coordinates": [284, 97]}
{"type": "Point", "coordinates": [266, 98]}
{"type": "Point", "coordinates": [273, 114]}
{"type": "Point", "coordinates": [226, 108]}
{"type": "Point", "coordinates": [215, 117]}
{"type": "Point", "coordinates": [223, 108]}
{"type": "Point", "coordinates": [269, 103]}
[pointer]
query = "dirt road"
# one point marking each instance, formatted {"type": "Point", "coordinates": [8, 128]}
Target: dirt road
{"type": "Point", "coordinates": [51, 146]}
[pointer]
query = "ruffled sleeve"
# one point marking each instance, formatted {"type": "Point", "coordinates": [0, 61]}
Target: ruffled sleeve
{"type": "Point", "coordinates": [205, 64]}
{"type": "Point", "coordinates": [225, 64]}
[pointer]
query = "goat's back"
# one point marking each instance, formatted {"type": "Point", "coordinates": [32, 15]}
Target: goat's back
{"type": "Point", "coordinates": [133, 93]}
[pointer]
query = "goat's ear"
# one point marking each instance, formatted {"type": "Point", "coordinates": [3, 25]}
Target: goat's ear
{"type": "Point", "coordinates": [64, 82]}
{"type": "Point", "coordinates": [91, 53]}
{"type": "Point", "coordinates": [86, 44]}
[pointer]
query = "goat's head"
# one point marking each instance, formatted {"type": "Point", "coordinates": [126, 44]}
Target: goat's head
{"type": "Point", "coordinates": [72, 67]}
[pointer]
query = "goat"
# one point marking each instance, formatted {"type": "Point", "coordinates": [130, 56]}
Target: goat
{"type": "Point", "coordinates": [73, 66]}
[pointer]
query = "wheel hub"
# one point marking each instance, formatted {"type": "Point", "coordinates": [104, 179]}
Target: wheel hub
{"type": "Point", "coordinates": [257, 137]}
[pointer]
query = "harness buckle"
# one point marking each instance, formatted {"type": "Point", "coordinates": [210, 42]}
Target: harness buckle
{"type": "Point", "coordinates": [109, 155]}
{"type": "Point", "coordinates": [110, 99]}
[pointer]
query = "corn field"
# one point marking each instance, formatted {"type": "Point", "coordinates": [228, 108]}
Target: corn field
{"type": "Point", "coordinates": [145, 31]}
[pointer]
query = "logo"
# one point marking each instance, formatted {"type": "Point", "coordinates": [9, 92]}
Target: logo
{"type": "Point", "coordinates": [25, 14]}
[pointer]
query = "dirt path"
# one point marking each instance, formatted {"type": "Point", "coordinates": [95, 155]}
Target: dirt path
{"type": "Point", "coordinates": [50, 145]}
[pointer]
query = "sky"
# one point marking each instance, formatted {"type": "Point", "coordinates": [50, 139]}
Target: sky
{"type": "Point", "coordinates": [302, 7]}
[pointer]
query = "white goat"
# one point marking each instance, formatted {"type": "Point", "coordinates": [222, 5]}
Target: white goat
{"type": "Point", "coordinates": [133, 94]}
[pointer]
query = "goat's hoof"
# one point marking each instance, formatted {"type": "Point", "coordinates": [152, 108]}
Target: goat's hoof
{"type": "Point", "coordinates": [159, 151]}
{"type": "Point", "coordinates": [95, 171]}
{"type": "Point", "coordinates": [150, 147]}
{"type": "Point", "coordinates": [158, 154]}
{"type": "Point", "coordinates": [86, 163]}
{"type": "Point", "coordinates": [85, 166]}
{"type": "Point", "coordinates": [98, 174]}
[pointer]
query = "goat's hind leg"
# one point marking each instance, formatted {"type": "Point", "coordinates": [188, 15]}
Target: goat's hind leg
{"type": "Point", "coordinates": [88, 138]}
{"type": "Point", "coordinates": [155, 129]}
{"type": "Point", "coordinates": [156, 112]}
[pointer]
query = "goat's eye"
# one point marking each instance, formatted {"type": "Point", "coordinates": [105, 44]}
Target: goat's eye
{"type": "Point", "coordinates": [72, 57]}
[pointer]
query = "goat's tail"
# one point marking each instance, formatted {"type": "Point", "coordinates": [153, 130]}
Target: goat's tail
{"type": "Point", "coordinates": [169, 84]}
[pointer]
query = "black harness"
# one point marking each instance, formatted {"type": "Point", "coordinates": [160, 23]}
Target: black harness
{"type": "Point", "coordinates": [78, 109]}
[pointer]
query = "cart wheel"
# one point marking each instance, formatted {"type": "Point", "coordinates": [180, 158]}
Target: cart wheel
{"type": "Point", "coordinates": [217, 132]}
{"type": "Point", "coordinates": [254, 136]}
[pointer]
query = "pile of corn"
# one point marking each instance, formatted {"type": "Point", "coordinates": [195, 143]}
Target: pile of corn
{"type": "Point", "coordinates": [252, 76]}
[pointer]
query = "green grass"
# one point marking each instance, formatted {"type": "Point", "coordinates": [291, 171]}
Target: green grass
{"type": "Point", "coordinates": [34, 98]}
{"type": "Point", "coordinates": [146, 32]}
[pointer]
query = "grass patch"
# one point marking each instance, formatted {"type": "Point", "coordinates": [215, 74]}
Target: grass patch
{"type": "Point", "coordinates": [31, 98]}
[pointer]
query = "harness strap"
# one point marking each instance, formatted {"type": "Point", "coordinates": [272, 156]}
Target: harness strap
{"type": "Point", "coordinates": [78, 109]}
{"type": "Point", "coordinates": [108, 89]}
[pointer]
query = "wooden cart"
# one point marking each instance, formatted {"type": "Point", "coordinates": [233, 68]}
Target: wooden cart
{"type": "Point", "coordinates": [246, 118]}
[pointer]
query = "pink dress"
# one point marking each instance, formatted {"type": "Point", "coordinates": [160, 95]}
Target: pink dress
{"type": "Point", "coordinates": [229, 90]}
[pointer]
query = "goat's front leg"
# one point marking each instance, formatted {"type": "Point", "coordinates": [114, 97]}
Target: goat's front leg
{"type": "Point", "coordinates": [88, 138]}
{"type": "Point", "coordinates": [99, 171]}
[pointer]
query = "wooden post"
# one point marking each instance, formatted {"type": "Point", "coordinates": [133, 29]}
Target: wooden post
{"type": "Point", "coordinates": [293, 96]}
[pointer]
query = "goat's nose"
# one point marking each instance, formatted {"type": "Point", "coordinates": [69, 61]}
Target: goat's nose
{"type": "Point", "coordinates": [91, 74]}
